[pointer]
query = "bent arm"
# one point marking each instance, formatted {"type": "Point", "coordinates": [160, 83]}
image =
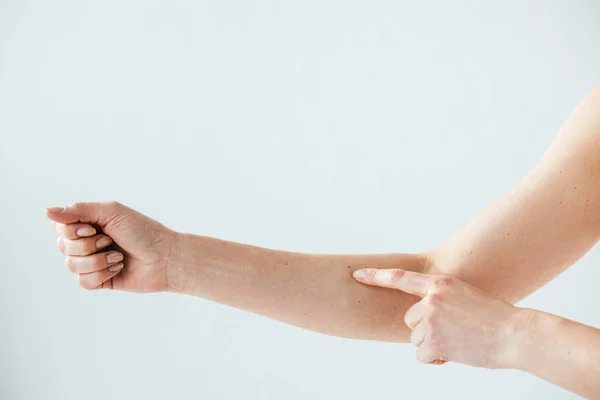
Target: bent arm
{"type": "Point", "coordinates": [519, 243]}
{"type": "Point", "coordinates": [541, 226]}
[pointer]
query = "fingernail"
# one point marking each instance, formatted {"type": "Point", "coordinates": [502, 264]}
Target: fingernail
{"type": "Point", "coordinates": [116, 268]}
{"type": "Point", "coordinates": [103, 242]}
{"type": "Point", "coordinates": [87, 231]}
{"type": "Point", "coordinates": [55, 209]}
{"type": "Point", "coordinates": [114, 257]}
{"type": "Point", "coordinates": [359, 274]}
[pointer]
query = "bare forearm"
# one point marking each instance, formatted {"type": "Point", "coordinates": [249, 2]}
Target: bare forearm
{"type": "Point", "coordinates": [312, 291]}
{"type": "Point", "coordinates": [520, 242]}
{"type": "Point", "coordinates": [560, 351]}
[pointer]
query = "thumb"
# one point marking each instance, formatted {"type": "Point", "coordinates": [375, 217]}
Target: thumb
{"type": "Point", "coordinates": [100, 213]}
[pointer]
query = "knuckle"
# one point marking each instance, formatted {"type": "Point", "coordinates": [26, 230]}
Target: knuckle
{"type": "Point", "coordinates": [414, 339]}
{"type": "Point", "coordinates": [442, 281]}
{"type": "Point", "coordinates": [84, 282]}
{"type": "Point", "coordinates": [69, 263]}
{"type": "Point", "coordinates": [413, 314]}
{"type": "Point", "coordinates": [396, 275]}
{"type": "Point", "coordinates": [60, 245]}
{"type": "Point", "coordinates": [435, 299]}
{"type": "Point", "coordinates": [425, 354]}
{"type": "Point", "coordinates": [429, 319]}
{"type": "Point", "coordinates": [76, 206]}
{"type": "Point", "coordinates": [58, 227]}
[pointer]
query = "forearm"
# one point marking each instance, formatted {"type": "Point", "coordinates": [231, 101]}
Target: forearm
{"type": "Point", "coordinates": [560, 351]}
{"type": "Point", "coordinates": [541, 226]}
{"type": "Point", "coordinates": [315, 292]}
{"type": "Point", "coordinates": [520, 242]}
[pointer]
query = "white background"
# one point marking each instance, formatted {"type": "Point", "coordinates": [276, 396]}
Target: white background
{"type": "Point", "coordinates": [316, 126]}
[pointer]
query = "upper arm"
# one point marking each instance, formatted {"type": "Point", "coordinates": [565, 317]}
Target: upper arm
{"type": "Point", "coordinates": [540, 227]}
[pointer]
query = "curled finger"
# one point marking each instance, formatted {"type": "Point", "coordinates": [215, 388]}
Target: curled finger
{"type": "Point", "coordinates": [95, 280]}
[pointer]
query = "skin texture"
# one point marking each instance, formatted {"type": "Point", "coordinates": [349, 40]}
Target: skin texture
{"type": "Point", "coordinates": [455, 321]}
{"type": "Point", "coordinates": [541, 226]}
{"type": "Point", "coordinates": [520, 242]}
{"type": "Point", "coordinates": [315, 292]}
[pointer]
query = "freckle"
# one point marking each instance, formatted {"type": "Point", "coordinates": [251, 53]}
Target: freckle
{"type": "Point", "coordinates": [560, 202]}
{"type": "Point", "coordinates": [359, 302]}
{"type": "Point", "coordinates": [286, 263]}
{"type": "Point", "coordinates": [575, 187]}
{"type": "Point", "coordinates": [507, 233]}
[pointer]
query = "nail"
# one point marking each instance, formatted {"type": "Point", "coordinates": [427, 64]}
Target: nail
{"type": "Point", "coordinates": [103, 242]}
{"type": "Point", "coordinates": [359, 274]}
{"type": "Point", "coordinates": [116, 268]}
{"type": "Point", "coordinates": [54, 209]}
{"type": "Point", "coordinates": [85, 232]}
{"type": "Point", "coordinates": [114, 257]}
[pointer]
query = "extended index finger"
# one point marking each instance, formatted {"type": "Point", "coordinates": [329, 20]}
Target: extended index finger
{"type": "Point", "coordinates": [406, 281]}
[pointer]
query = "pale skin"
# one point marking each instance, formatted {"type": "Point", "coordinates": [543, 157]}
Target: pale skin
{"type": "Point", "coordinates": [455, 321]}
{"type": "Point", "coordinates": [517, 244]}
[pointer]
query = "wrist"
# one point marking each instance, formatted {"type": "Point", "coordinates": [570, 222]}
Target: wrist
{"type": "Point", "coordinates": [519, 326]}
{"type": "Point", "coordinates": [177, 267]}
{"type": "Point", "coordinates": [528, 338]}
{"type": "Point", "coordinates": [200, 264]}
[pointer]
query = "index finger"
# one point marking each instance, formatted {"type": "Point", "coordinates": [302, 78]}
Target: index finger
{"type": "Point", "coordinates": [406, 281]}
{"type": "Point", "coordinates": [74, 231]}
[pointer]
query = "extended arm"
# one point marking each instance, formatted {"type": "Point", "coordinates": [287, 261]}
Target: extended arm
{"type": "Point", "coordinates": [520, 242]}
{"type": "Point", "coordinates": [516, 245]}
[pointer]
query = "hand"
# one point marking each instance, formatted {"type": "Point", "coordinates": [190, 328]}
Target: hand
{"type": "Point", "coordinates": [454, 321]}
{"type": "Point", "coordinates": [112, 246]}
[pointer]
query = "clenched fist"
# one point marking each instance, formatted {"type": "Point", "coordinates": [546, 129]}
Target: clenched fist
{"type": "Point", "coordinates": [112, 246]}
